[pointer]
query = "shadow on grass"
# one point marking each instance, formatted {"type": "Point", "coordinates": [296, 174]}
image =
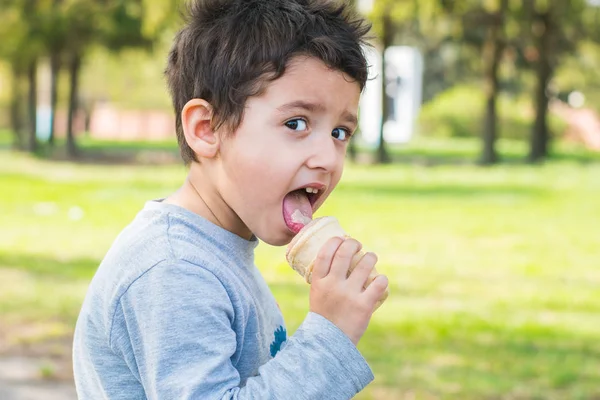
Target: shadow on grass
{"type": "Point", "coordinates": [438, 190]}
{"type": "Point", "coordinates": [581, 157]}
{"type": "Point", "coordinates": [48, 266]}
{"type": "Point", "coordinates": [103, 152]}
{"type": "Point", "coordinates": [485, 359]}
{"type": "Point", "coordinates": [435, 159]}
{"type": "Point", "coordinates": [113, 157]}
{"type": "Point", "coordinates": [461, 355]}
{"type": "Point", "coordinates": [433, 152]}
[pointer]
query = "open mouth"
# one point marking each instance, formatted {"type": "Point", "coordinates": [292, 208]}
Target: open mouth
{"type": "Point", "coordinates": [313, 195]}
{"type": "Point", "coordinates": [298, 206]}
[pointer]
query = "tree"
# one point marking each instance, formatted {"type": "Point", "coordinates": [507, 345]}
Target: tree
{"type": "Point", "coordinates": [21, 47]}
{"type": "Point", "coordinates": [54, 41]}
{"type": "Point", "coordinates": [434, 25]}
{"type": "Point", "coordinates": [387, 34]}
{"type": "Point", "coordinates": [64, 31]}
{"type": "Point", "coordinates": [32, 104]}
{"type": "Point", "coordinates": [493, 48]}
{"type": "Point", "coordinates": [483, 28]}
{"type": "Point", "coordinates": [29, 31]}
{"type": "Point", "coordinates": [556, 29]}
{"type": "Point", "coordinates": [398, 22]}
{"type": "Point", "coordinates": [16, 106]}
{"type": "Point", "coordinates": [115, 24]}
{"type": "Point", "coordinates": [13, 35]}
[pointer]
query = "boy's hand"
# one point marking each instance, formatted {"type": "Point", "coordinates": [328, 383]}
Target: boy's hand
{"type": "Point", "coordinates": [341, 299]}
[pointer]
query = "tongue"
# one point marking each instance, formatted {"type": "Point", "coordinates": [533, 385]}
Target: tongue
{"type": "Point", "coordinates": [297, 210]}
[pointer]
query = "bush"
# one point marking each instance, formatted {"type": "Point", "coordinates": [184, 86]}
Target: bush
{"type": "Point", "coordinates": [459, 111]}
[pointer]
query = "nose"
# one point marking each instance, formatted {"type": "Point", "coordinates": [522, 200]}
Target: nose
{"type": "Point", "coordinates": [325, 155]}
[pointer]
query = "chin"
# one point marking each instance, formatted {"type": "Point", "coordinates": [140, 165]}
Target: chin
{"type": "Point", "coordinates": [276, 240]}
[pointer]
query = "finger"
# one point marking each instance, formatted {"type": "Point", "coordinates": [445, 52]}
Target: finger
{"type": "Point", "coordinates": [343, 258]}
{"type": "Point", "coordinates": [325, 257]}
{"type": "Point", "coordinates": [376, 289]}
{"type": "Point", "coordinates": [358, 277]}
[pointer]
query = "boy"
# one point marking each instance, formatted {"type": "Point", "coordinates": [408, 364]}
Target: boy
{"type": "Point", "coordinates": [266, 95]}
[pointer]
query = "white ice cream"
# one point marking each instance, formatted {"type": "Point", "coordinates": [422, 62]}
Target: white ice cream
{"type": "Point", "coordinates": [299, 218]}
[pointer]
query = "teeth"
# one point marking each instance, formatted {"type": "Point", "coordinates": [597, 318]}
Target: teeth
{"type": "Point", "coordinates": [312, 190]}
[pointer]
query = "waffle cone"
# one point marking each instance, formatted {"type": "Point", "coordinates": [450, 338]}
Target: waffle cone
{"type": "Point", "coordinates": [303, 249]}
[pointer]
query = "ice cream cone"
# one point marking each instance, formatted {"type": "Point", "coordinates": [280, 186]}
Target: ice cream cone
{"type": "Point", "coordinates": [303, 249]}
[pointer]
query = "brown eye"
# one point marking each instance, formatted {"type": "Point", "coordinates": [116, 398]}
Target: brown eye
{"type": "Point", "coordinates": [296, 124]}
{"type": "Point", "coordinates": [340, 134]}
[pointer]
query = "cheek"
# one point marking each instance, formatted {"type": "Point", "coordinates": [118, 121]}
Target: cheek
{"type": "Point", "coordinates": [256, 176]}
{"type": "Point", "coordinates": [336, 176]}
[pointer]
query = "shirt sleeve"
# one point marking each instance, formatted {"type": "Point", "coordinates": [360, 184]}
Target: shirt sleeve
{"type": "Point", "coordinates": [180, 347]}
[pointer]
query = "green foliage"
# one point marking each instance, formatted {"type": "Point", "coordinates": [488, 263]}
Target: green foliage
{"type": "Point", "coordinates": [419, 23]}
{"type": "Point", "coordinates": [39, 28]}
{"type": "Point", "coordinates": [580, 71]}
{"type": "Point", "coordinates": [138, 85]}
{"type": "Point", "coordinates": [453, 113]}
{"type": "Point", "coordinates": [64, 31]}
{"type": "Point", "coordinates": [20, 37]}
{"type": "Point", "coordinates": [533, 33]}
{"type": "Point", "coordinates": [159, 15]}
{"type": "Point", "coordinates": [458, 112]}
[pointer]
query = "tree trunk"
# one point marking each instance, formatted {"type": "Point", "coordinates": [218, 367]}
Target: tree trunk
{"type": "Point", "coordinates": [74, 67]}
{"type": "Point", "coordinates": [54, 71]}
{"type": "Point", "coordinates": [32, 105]}
{"type": "Point", "coordinates": [383, 156]}
{"type": "Point", "coordinates": [16, 107]}
{"type": "Point", "coordinates": [492, 55]}
{"type": "Point", "coordinates": [540, 135]}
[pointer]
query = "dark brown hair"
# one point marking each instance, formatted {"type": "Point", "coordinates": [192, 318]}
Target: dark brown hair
{"type": "Point", "coordinates": [229, 49]}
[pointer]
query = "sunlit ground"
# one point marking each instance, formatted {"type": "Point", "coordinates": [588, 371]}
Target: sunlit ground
{"type": "Point", "coordinates": [495, 272]}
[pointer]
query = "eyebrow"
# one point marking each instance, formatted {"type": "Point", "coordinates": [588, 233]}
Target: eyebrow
{"type": "Point", "coordinates": [314, 108]}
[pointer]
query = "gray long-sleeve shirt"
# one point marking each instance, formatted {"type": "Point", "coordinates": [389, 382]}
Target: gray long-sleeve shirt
{"type": "Point", "coordinates": [178, 310]}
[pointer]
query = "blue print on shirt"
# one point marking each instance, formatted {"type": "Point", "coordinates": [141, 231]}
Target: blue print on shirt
{"type": "Point", "coordinates": [280, 337]}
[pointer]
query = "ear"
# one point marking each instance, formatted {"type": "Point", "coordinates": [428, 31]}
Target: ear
{"type": "Point", "coordinates": [196, 119]}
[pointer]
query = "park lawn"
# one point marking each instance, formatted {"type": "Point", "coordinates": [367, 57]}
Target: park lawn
{"type": "Point", "coordinates": [495, 272]}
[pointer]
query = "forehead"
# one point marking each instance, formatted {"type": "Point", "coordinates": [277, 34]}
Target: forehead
{"type": "Point", "coordinates": [309, 79]}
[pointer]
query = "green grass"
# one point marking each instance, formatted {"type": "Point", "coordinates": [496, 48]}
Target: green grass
{"type": "Point", "coordinates": [494, 271]}
{"type": "Point", "coordinates": [437, 151]}
{"type": "Point", "coordinates": [5, 138]}
{"type": "Point", "coordinates": [92, 144]}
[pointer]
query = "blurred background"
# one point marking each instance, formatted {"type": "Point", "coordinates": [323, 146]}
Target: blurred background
{"type": "Point", "coordinates": [475, 176]}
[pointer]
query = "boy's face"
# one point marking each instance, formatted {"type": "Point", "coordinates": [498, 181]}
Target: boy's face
{"type": "Point", "coordinates": [294, 135]}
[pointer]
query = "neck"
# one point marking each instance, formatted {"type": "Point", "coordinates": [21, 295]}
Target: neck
{"type": "Point", "coordinates": [200, 195]}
